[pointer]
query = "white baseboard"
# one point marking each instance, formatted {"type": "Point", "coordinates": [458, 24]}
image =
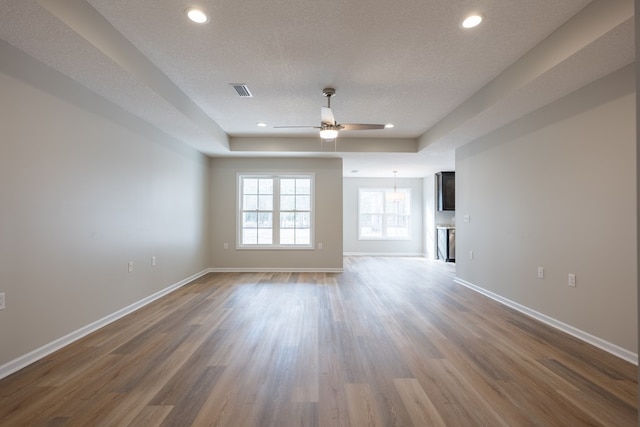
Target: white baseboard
{"type": "Point", "coordinates": [273, 270]}
{"type": "Point", "coordinates": [582, 335]}
{"type": "Point", "coordinates": [390, 254]}
{"type": "Point", "coordinates": [37, 354]}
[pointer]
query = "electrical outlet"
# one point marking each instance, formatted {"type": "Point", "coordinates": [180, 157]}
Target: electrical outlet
{"type": "Point", "coordinates": [572, 280]}
{"type": "Point", "coordinates": [470, 254]}
{"type": "Point", "coordinates": [540, 272]}
{"type": "Point", "coordinates": [153, 261]}
{"type": "Point", "coordinates": [225, 246]}
{"type": "Point", "coordinates": [130, 266]}
{"type": "Point", "coordinates": [2, 301]}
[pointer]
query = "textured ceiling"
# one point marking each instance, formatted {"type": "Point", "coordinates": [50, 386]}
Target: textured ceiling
{"type": "Point", "coordinates": [406, 62]}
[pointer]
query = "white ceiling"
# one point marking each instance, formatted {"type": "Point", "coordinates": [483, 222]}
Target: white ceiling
{"type": "Point", "coordinates": [405, 62]}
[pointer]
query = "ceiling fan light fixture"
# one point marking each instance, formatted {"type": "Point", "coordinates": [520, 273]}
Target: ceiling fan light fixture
{"type": "Point", "coordinates": [472, 21]}
{"type": "Point", "coordinates": [328, 134]}
{"type": "Point", "coordinates": [388, 125]}
{"type": "Point", "coordinates": [197, 16]}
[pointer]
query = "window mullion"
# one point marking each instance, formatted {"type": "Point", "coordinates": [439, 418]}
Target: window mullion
{"type": "Point", "coordinates": [276, 211]}
{"type": "Point", "coordinates": [385, 216]}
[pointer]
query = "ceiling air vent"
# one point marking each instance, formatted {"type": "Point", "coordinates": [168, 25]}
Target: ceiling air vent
{"type": "Point", "coordinates": [242, 90]}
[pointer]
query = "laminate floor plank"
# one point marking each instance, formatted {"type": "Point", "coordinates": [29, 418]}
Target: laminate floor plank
{"type": "Point", "coordinates": [389, 342]}
{"type": "Point", "coordinates": [151, 416]}
{"type": "Point", "coordinates": [363, 410]}
{"type": "Point", "coordinates": [332, 402]}
{"type": "Point", "coordinates": [421, 409]}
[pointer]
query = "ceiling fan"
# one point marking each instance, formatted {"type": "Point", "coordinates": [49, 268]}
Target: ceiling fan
{"type": "Point", "coordinates": [328, 126]}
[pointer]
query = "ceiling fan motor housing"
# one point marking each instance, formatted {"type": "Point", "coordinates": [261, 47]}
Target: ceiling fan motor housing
{"type": "Point", "coordinates": [327, 126]}
{"type": "Point", "coordinates": [328, 92]}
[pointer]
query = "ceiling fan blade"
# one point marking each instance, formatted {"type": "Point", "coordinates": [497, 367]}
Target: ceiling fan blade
{"type": "Point", "coordinates": [327, 115]}
{"type": "Point", "coordinates": [360, 126]}
{"type": "Point", "coordinates": [296, 127]}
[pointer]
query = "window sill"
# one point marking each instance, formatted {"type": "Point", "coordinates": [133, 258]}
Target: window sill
{"type": "Point", "coordinates": [275, 248]}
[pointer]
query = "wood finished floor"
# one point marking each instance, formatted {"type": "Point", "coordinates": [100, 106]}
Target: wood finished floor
{"type": "Point", "coordinates": [390, 342]}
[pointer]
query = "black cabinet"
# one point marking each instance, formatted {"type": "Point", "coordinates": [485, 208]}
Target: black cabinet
{"type": "Point", "coordinates": [446, 182]}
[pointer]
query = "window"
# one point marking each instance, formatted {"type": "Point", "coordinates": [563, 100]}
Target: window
{"type": "Point", "coordinates": [384, 213]}
{"type": "Point", "coordinates": [275, 211]}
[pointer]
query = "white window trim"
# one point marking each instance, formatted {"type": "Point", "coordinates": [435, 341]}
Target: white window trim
{"type": "Point", "coordinates": [384, 238]}
{"type": "Point", "coordinates": [276, 210]}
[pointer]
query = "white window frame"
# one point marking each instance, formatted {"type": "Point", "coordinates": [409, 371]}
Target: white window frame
{"type": "Point", "coordinates": [276, 234]}
{"type": "Point", "coordinates": [387, 192]}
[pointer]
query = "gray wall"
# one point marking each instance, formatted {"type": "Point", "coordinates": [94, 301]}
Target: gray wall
{"type": "Point", "coordinates": [557, 189]}
{"type": "Point", "coordinates": [430, 212]}
{"type": "Point", "coordinates": [414, 246]}
{"type": "Point", "coordinates": [84, 189]}
{"type": "Point", "coordinates": [328, 216]}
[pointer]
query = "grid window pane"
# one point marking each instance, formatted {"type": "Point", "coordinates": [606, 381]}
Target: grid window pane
{"type": "Point", "coordinates": [287, 236]}
{"type": "Point", "coordinates": [287, 203]}
{"type": "Point", "coordinates": [303, 186]}
{"type": "Point", "coordinates": [303, 236]}
{"type": "Point", "coordinates": [265, 203]}
{"type": "Point", "coordinates": [287, 220]}
{"type": "Point", "coordinates": [249, 220]}
{"type": "Point", "coordinates": [250, 186]}
{"type": "Point", "coordinates": [265, 236]}
{"type": "Point", "coordinates": [250, 202]}
{"type": "Point", "coordinates": [287, 186]}
{"type": "Point", "coordinates": [303, 220]}
{"type": "Point", "coordinates": [265, 220]}
{"type": "Point", "coordinates": [303, 203]}
{"type": "Point", "coordinates": [265, 186]}
{"type": "Point", "coordinates": [249, 236]}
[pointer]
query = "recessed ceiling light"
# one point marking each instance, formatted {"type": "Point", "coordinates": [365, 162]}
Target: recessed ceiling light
{"type": "Point", "coordinates": [262, 124]}
{"type": "Point", "coordinates": [388, 125]}
{"type": "Point", "coordinates": [197, 16]}
{"type": "Point", "coordinates": [472, 21]}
